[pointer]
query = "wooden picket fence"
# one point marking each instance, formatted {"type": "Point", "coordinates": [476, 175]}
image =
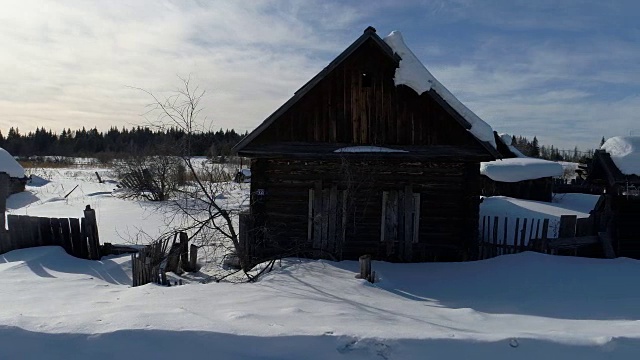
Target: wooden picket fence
{"type": "Point", "coordinates": [497, 237]}
{"type": "Point", "coordinates": [78, 236]}
{"type": "Point", "coordinates": [151, 264]}
{"type": "Point", "coordinates": [145, 270]}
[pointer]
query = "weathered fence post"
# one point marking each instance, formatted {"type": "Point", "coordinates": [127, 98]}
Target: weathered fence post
{"type": "Point", "coordinates": [93, 240]}
{"type": "Point", "coordinates": [365, 268]}
{"type": "Point", "coordinates": [134, 271]}
{"type": "Point", "coordinates": [505, 243]}
{"type": "Point", "coordinates": [184, 251]}
{"type": "Point", "coordinates": [173, 258]}
{"type": "Point", "coordinates": [496, 221]}
{"type": "Point", "coordinates": [193, 257]}
{"type": "Point", "coordinates": [523, 234]}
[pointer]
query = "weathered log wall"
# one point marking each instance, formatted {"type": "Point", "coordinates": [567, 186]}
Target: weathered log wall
{"type": "Point", "coordinates": [448, 206]}
{"type": "Point", "coordinates": [535, 189]}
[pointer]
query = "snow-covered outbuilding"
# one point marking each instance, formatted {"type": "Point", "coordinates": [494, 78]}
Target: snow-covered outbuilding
{"type": "Point", "coordinates": [616, 169]}
{"type": "Point", "coordinates": [372, 156]}
{"type": "Point", "coordinates": [9, 165]}
{"type": "Point", "coordinates": [518, 176]}
{"type": "Point", "coordinates": [617, 164]}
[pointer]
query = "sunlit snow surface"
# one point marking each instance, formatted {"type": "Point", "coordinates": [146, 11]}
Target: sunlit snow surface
{"type": "Point", "coordinates": [525, 306]}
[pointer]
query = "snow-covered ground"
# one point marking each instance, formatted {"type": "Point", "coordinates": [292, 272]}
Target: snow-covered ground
{"type": "Point", "coordinates": [524, 306]}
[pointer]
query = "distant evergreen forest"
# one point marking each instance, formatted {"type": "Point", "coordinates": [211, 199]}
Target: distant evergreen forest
{"type": "Point", "coordinates": [532, 148]}
{"type": "Point", "coordinates": [143, 140]}
{"type": "Point", "coordinates": [137, 140]}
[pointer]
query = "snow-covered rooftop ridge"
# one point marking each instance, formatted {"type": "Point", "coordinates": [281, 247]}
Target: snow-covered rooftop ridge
{"type": "Point", "coordinates": [9, 165]}
{"type": "Point", "coordinates": [413, 73]}
{"type": "Point", "coordinates": [367, 149]}
{"type": "Point", "coordinates": [508, 140]}
{"type": "Point", "coordinates": [625, 153]}
{"type": "Point", "coordinates": [520, 169]}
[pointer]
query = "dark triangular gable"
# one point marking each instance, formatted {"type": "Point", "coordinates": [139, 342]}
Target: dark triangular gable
{"type": "Point", "coordinates": [603, 168]}
{"type": "Point", "coordinates": [429, 104]}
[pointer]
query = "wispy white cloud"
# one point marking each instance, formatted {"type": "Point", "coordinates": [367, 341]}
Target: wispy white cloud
{"type": "Point", "coordinates": [564, 71]}
{"type": "Point", "coordinates": [68, 64]}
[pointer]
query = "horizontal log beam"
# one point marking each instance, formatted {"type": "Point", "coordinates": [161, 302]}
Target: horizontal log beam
{"type": "Point", "coordinates": [573, 241]}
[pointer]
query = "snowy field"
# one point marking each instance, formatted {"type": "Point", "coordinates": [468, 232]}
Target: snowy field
{"type": "Point", "coordinates": [524, 306]}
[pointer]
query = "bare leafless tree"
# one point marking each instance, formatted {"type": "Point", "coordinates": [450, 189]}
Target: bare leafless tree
{"type": "Point", "coordinates": [200, 207]}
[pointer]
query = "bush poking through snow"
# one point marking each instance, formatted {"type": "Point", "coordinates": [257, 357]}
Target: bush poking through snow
{"type": "Point", "coordinates": [153, 178]}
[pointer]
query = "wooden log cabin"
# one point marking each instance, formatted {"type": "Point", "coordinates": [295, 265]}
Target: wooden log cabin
{"type": "Point", "coordinates": [356, 163]}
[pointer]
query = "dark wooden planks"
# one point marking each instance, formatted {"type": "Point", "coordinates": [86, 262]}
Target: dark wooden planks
{"type": "Point", "coordinates": [446, 194]}
{"type": "Point", "coordinates": [78, 244]}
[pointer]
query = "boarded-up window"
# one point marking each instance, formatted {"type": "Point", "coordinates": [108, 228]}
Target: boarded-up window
{"type": "Point", "coordinates": [400, 222]}
{"type": "Point", "coordinates": [327, 219]}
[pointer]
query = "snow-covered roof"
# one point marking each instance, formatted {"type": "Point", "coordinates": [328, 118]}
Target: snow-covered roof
{"type": "Point", "coordinates": [413, 74]}
{"type": "Point", "coordinates": [9, 165]}
{"type": "Point", "coordinates": [367, 149]}
{"type": "Point", "coordinates": [625, 153]}
{"type": "Point", "coordinates": [520, 169]}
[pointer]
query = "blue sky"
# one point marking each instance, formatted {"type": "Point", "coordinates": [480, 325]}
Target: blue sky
{"type": "Point", "coordinates": [564, 71]}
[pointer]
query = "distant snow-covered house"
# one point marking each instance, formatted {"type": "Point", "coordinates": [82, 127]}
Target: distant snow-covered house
{"type": "Point", "coordinates": [616, 166]}
{"type": "Point", "coordinates": [372, 156]}
{"type": "Point", "coordinates": [9, 165]}
{"type": "Point", "coordinates": [516, 175]}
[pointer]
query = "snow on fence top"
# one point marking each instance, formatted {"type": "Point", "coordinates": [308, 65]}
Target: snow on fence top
{"type": "Point", "coordinates": [367, 149]}
{"type": "Point", "coordinates": [625, 153]}
{"type": "Point", "coordinates": [9, 165]}
{"type": "Point", "coordinates": [412, 73]}
{"type": "Point", "coordinates": [520, 169]}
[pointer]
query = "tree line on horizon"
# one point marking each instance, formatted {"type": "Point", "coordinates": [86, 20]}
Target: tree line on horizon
{"type": "Point", "coordinates": [115, 142]}
{"type": "Point", "coordinates": [144, 140]}
{"type": "Point", "coordinates": [533, 149]}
